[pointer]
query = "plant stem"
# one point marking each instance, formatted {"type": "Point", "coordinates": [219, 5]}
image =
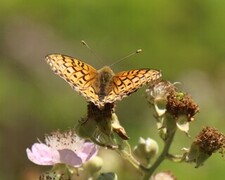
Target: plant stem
{"type": "Point", "coordinates": [133, 161]}
{"type": "Point", "coordinates": [162, 156]}
{"type": "Point", "coordinates": [125, 152]}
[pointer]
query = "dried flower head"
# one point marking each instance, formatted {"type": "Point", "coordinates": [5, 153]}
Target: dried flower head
{"type": "Point", "coordinates": [106, 112]}
{"type": "Point", "coordinates": [101, 126]}
{"type": "Point", "coordinates": [179, 103]}
{"type": "Point", "coordinates": [176, 103]}
{"type": "Point", "coordinates": [207, 142]}
{"type": "Point", "coordinates": [210, 140]}
{"type": "Point", "coordinates": [173, 109]}
{"type": "Point", "coordinates": [67, 148]}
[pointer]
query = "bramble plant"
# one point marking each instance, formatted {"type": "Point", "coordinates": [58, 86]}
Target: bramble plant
{"type": "Point", "coordinates": [73, 153]}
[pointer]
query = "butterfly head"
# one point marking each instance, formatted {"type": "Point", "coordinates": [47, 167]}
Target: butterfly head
{"type": "Point", "coordinates": [105, 75]}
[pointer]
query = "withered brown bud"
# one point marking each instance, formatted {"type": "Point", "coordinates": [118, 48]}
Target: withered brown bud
{"type": "Point", "coordinates": [181, 104]}
{"type": "Point", "coordinates": [94, 112]}
{"type": "Point", "coordinates": [173, 109]}
{"type": "Point", "coordinates": [207, 142]}
{"type": "Point", "coordinates": [210, 140]}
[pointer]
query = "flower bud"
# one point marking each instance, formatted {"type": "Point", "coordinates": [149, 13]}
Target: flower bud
{"type": "Point", "coordinates": [165, 175]}
{"type": "Point", "coordinates": [93, 165]}
{"type": "Point", "coordinates": [146, 150]}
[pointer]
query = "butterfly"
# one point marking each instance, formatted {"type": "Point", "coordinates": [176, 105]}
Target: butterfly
{"type": "Point", "coordinates": [100, 86]}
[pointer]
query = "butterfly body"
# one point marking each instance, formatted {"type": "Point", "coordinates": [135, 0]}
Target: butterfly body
{"type": "Point", "coordinates": [103, 81]}
{"type": "Point", "coordinates": [99, 86]}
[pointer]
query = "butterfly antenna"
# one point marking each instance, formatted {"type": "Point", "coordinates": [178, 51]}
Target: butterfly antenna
{"type": "Point", "coordinates": [131, 54]}
{"type": "Point", "coordinates": [84, 43]}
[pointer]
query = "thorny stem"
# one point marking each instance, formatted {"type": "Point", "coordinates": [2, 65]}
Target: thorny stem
{"type": "Point", "coordinates": [162, 156]}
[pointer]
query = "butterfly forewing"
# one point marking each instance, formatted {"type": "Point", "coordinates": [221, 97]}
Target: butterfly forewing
{"type": "Point", "coordinates": [127, 82]}
{"type": "Point", "coordinates": [78, 74]}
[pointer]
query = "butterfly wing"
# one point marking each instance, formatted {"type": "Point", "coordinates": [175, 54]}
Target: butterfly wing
{"type": "Point", "coordinates": [78, 74]}
{"type": "Point", "coordinates": [127, 82]}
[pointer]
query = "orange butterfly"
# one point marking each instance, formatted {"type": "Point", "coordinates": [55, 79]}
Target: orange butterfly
{"type": "Point", "coordinates": [100, 86]}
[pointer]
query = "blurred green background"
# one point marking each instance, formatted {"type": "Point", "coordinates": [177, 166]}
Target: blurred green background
{"type": "Point", "coordinates": [185, 39]}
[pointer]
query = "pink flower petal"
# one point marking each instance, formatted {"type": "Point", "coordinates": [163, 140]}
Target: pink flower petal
{"type": "Point", "coordinates": [89, 150]}
{"type": "Point", "coordinates": [41, 154]}
{"type": "Point", "coordinates": [69, 157]}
